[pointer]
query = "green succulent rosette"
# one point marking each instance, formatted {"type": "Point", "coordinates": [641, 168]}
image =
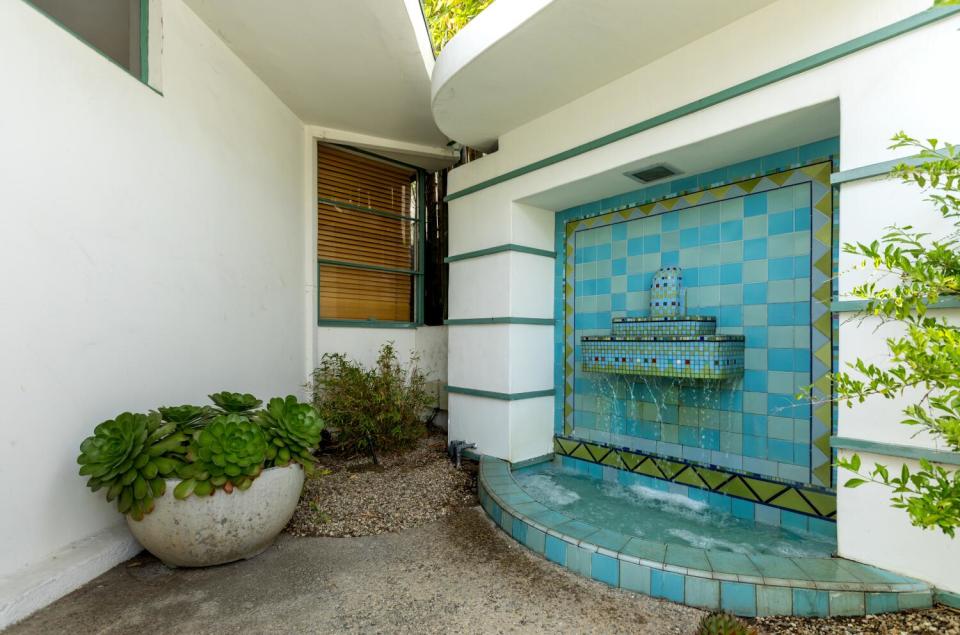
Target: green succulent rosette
{"type": "Point", "coordinates": [129, 456]}
{"type": "Point", "coordinates": [187, 416]}
{"type": "Point", "coordinates": [235, 402]}
{"type": "Point", "coordinates": [227, 453]}
{"type": "Point", "coordinates": [293, 432]}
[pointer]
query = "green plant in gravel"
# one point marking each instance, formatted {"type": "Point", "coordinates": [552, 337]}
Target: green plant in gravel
{"type": "Point", "coordinates": [723, 624]}
{"type": "Point", "coordinates": [228, 453]}
{"type": "Point", "coordinates": [293, 431]}
{"type": "Point", "coordinates": [924, 364]}
{"type": "Point", "coordinates": [371, 409]}
{"type": "Point", "coordinates": [129, 456]}
{"type": "Point", "coordinates": [235, 402]}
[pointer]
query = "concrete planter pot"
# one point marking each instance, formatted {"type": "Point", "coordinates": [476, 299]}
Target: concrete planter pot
{"type": "Point", "coordinates": [200, 532]}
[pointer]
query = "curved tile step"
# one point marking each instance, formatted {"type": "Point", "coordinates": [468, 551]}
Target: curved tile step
{"type": "Point", "coordinates": [718, 580]}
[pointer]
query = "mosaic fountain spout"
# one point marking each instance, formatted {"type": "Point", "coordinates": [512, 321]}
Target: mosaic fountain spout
{"type": "Point", "coordinates": [667, 343]}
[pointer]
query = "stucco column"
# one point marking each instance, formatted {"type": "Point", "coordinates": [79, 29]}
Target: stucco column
{"type": "Point", "coordinates": [501, 326]}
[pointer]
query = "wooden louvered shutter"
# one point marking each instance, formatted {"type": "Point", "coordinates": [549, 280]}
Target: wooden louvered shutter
{"type": "Point", "coordinates": [367, 237]}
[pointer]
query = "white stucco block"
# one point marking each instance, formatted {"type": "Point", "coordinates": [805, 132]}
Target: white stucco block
{"type": "Point", "coordinates": [485, 422]}
{"type": "Point", "coordinates": [531, 428]}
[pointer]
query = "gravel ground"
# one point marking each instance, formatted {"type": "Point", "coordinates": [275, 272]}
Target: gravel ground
{"type": "Point", "coordinates": [937, 621]}
{"type": "Point", "coordinates": [458, 574]}
{"type": "Point", "coordinates": [408, 489]}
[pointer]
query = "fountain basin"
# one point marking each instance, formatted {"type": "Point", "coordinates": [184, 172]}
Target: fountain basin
{"type": "Point", "coordinates": [692, 357]}
{"type": "Point", "coordinates": [761, 582]}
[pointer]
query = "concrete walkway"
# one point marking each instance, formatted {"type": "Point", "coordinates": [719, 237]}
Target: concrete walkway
{"type": "Point", "coordinates": [456, 575]}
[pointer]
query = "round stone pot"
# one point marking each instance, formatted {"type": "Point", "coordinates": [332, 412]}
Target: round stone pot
{"type": "Point", "coordinates": [200, 532]}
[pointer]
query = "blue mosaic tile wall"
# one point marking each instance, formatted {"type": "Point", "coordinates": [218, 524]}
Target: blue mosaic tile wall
{"type": "Point", "coordinates": [747, 262]}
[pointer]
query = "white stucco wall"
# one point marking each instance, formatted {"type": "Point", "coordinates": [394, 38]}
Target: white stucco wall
{"type": "Point", "coordinates": [880, 90]}
{"type": "Point", "coordinates": [152, 249]}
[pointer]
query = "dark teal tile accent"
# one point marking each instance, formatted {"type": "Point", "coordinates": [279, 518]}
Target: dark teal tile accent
{"type": "Point", "coordinates": [556, 550]}
{"type": "Point", "coordinates": [730, 562]}
{"type": "Point", "coordinates": [739, 598]}
{"type": "Point", "coordinates": [645, 549]}
{"type": "Point", "coordinates": [810, 603]}
{"type": "Point", "coordinates": [667, 585]}
{"type": "Point", "coordinates": [774, 600]}
{"type": "Point", "coordinates": [682, 556]}
{"type": "Point", "coordinates": [579, 560]}
{"type": "Point", "coordinates": [846, 603]}
{"type": "Point", "coordinates": [881, 603]}
{"type": "Point", "coordinates": [605, 569]}
{"type": "Point", "coordinates": [917, 600]}
{"type": "Point", "coordinates": [949, 599]}
{"type": "Point", "coordinates": [519, 530]}
{"type": "Point", "coordinates": [702, 593]}
{"type": "Point", "coordinates": [635, 577]}
{"type": "Point", "coordinates": [535, 540]}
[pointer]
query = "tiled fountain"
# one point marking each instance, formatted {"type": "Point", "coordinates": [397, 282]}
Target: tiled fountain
{"type": "Point", "coordinates": [689, 316]}
{"type": "Point", "coordinates": [667, 343]}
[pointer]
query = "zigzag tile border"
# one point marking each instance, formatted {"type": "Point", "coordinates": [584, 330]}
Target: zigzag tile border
{"type": "Point", "coordinates": [823, 256]}
{"type": "Point", "coordinates": [809, 501]}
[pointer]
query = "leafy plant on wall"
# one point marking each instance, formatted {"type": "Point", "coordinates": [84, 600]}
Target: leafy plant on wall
{"type": "Point", "coordinates": [446, 17]}
{"type": "Point", "coordinates": [925, 357]}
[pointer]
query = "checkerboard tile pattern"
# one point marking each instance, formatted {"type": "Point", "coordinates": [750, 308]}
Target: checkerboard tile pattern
{"type": "Point", "coordinates": [756, 256]}
{"type": "Point", "coordinates": [689, 357]}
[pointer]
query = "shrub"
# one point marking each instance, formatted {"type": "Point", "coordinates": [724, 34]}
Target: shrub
{"type": "Point", "coordinates": [371, 409]}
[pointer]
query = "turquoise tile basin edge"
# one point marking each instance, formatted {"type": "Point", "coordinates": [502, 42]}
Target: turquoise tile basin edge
{"type": "Point", "coordinates": [710, 579]}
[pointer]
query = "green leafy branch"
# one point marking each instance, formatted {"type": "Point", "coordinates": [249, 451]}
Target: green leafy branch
{"type": "Point", "coordinates": [926, 358]}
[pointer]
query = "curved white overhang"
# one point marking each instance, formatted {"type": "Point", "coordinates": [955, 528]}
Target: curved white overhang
{"type": "Point", "coordinates": [521, 59]}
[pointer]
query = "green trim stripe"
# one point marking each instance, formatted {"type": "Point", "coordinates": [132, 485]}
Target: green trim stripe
{"type": "Point", "coordinates": [144, 41]}
{"type": "Point", "coordinates": [367, 210]}
{"type": "Point", "coordinates": [808, 63]}
{"type": "Point", "coordinates": [499, 249]}
{"type": "Point", "coordinates": [499, 320]}
{"type": "Point", "coordinates": [893, 449]}
{"type": "Point", "coordinates": [360, 265]}
{"type": "Point", "coordinates": [856, 306]}
{"type": "Point", "coordinates": [372, 324]}
{"type": "Point", "coordinates": [503, 396]}
{"type": "Point", "coordinates": [869, 171]}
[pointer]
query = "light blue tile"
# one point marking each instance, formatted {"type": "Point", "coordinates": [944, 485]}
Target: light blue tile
{"type": "Point", "coordinates": [579, 560]}
{"type": "Point", "coordinates": [635, 577]}
{"type": "Point", "coordinates": [846, 603]}
{"type": "Point", "coordinates": [881, 603]}
{"type": "Point", "coordinates": [668, 585]}
{"type": "Point", "coordinates": [702, 593]}
{"type": "Point", "coordinates": [774, 600]}
{"type": "Point", "coordinates": [605, 569]}
{"type": "Point", "coordinates": [916, 600]}
{"type": "Point", "coordinates": [535, 540]}
{"type": "Point", "coordinates": [738, 598]}
{"type": "Point", "coordinates": [810, 603]}
{"type": "Point", "coordinates": [556, 550]}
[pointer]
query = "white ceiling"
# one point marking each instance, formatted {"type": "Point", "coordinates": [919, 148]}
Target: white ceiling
{"type": "Point", "coordinates": [345, 64]}
{"type": "Point", "coordinates": [520, 59]}
{"type": "Point", "coordinates": [820, 121]}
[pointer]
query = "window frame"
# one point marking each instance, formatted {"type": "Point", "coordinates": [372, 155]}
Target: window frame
{"type": "Point", "coordinates": [417, 273]}
{"type": "Point", "coordinates": [144, 76]}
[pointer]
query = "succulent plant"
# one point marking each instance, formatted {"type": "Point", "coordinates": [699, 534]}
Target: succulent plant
{"type": "Point", "coordinates": [723, 624]}
{"type": "Point", "coordinates": [227, 453]}
{"type": "Point", "coordinates": [187, 416]}
{"type": "Point", "coordinates": [130, 455]}
{"type": "Point", "coordinates": [293, 432]}
{"type": "Point", "coordinates": [235, 402]}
